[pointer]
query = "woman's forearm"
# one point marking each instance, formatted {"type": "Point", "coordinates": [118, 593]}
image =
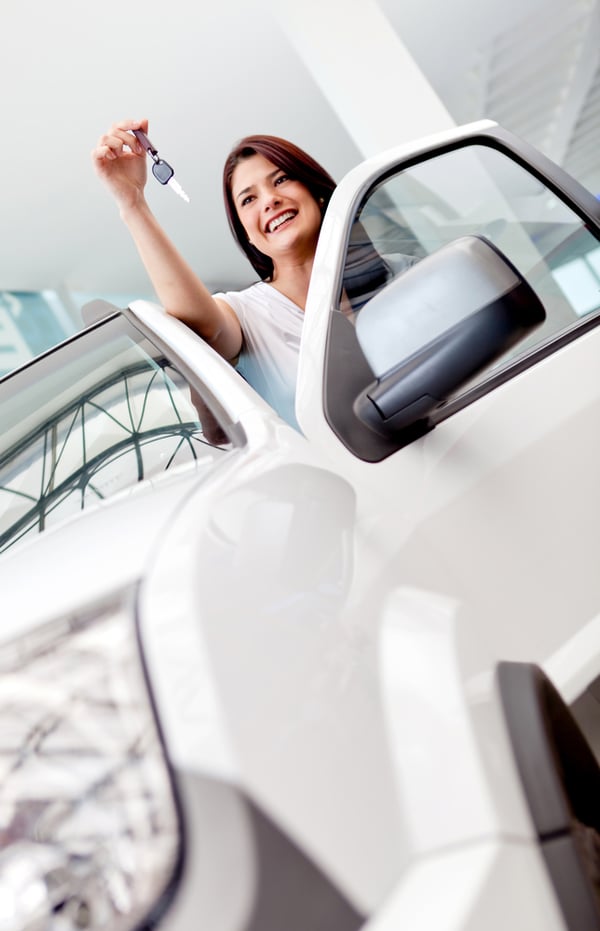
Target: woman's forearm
{"type": "Point", "coordinates": [178, 288]}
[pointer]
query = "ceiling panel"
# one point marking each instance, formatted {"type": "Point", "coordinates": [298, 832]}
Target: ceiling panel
{"type": "Point", "coordinates": [205, 76]}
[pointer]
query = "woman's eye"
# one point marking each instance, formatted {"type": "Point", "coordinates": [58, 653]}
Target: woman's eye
{"type": "Point", "coordinates": [281, 178]}
{"type": "Point", "coordinates": [246, 200]}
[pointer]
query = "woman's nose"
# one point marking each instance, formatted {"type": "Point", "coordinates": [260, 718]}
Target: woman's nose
{"type": "Point", "coordinates": [271, 199]}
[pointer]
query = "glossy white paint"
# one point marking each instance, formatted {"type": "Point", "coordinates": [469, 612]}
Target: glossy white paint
{"type": "Point", "coordinates": [436, 597]}
{"type": "Point", "coordinates": [471, 509]}
{"type": "Point", "coordinates": [486, 885]}
{"type": "Point", "coordinates": [322, 632]}
{"type": "Point", "coordinates": [575, 664]}
{"type": "Point", "coordinates": [454, 772]}
{"type": "Point", "coordinates": [88, 552]}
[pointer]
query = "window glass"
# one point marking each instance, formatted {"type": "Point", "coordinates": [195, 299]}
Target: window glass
{"type": "Point", "coordinates": [411, 214]}
{"type": "Point", "coordinates": [30, 322]}
{"type": "Point", "coordinates": [95, 417]}
{"type": "Point", "coordinates": [479, 191]}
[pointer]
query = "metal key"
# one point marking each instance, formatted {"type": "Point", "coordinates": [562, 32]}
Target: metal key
{"type": "Point", "coordinates": [161, 170]}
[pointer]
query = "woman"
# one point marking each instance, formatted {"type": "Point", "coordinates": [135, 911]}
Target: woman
{"type": "Point", "coordinates": [275, 198]}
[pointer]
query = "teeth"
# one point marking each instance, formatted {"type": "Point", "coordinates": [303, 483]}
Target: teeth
{"type": "Point", "coordinates": [274, 224]}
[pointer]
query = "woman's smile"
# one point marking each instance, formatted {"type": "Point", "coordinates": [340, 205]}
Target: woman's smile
{"type": "Point", "coordinates": [269, 203]}
{"type": "Point", "coordinates": [282, 219]}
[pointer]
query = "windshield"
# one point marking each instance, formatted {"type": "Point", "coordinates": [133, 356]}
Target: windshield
{"type": "Point", "coordinates": [98, 415]}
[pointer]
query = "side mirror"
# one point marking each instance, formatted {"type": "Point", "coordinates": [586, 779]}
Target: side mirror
{"type": "Point", "coordinates": [433, 328]}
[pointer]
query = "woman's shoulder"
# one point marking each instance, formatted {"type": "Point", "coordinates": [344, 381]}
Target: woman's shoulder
{"type": "Point", "coordinates": [258, 296]}
{"type": "Point", "coordinates": [242, 296]}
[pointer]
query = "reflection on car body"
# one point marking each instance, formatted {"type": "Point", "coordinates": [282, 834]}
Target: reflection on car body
{"type": "Point", "coordinates": [254, 679]}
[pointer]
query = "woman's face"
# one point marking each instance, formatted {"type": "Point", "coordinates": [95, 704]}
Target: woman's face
{"type": "Point", "coordinates": [279, 214]}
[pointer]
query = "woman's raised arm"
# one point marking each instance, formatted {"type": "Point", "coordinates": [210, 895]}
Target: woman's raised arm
{"type": "Point", "coordinates": [120, 161]}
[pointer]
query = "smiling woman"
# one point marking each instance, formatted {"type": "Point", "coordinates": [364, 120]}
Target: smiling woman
{"type": "Point", "coordinates": [275, 198]}
{"type": "Point", "coordinates": [292, 164]}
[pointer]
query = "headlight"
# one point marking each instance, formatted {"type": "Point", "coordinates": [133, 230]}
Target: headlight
{"type": "Point", "coordinates": [88, 825]}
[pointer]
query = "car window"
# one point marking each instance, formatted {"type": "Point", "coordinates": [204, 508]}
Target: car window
{"type": "Point", "coordinates": [94, 417]}
{"type": "Point", "coordinates": [474, 190]}
{"type": "Point", "coordinates": [478, 190]}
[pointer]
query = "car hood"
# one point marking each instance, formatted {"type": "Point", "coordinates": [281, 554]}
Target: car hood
{"type": "Point", "coordinates": [98, 551]}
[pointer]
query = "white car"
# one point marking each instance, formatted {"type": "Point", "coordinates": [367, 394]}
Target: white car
{"type": "Point", "coordinates": [255, 679]}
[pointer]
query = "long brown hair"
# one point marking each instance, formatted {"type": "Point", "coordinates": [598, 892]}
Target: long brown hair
{"type": "Point", "coordinates": [291, 159]}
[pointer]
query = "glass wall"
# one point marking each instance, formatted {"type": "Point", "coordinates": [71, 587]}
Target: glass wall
{"type": "Point", "coordinates": [33, 321]}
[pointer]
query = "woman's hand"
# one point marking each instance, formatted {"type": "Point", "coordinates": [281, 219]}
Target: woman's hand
{"type": "Point", "coordinates": [120, 161]}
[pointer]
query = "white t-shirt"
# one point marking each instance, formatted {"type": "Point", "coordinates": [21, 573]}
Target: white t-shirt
{"type": "Point", "coordinates": [272, 326]}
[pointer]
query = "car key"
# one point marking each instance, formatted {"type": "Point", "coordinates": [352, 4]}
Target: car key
{"type": "Point", "coordinates": [161, 170]}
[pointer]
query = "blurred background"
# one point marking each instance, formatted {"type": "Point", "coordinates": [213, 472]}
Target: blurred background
{"type": "Point", "coordinates": [341, 78]}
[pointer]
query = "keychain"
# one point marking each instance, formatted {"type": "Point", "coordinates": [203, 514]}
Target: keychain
{"type": "Point", "coordinates": [161, 170]}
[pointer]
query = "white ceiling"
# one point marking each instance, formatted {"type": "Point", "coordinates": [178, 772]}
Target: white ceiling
{"type": "Point", "coordinates": [532, 66]}
{"type": "Point", "coordinates": [207, 74]}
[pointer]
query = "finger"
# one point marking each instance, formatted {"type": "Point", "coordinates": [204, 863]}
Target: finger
{"type": "Point", "coordinates": [115, 141]}
{"type": "Point", "coordinates": [127, 126]}
{"type": "Point", "coordinates": [102, 153]}
{"type": "Point", "coordinates": [105, 151]}
{"type": "Point", "coordinates": [111, 145]}
{"type": "Point", "coordinates": [124, 130]}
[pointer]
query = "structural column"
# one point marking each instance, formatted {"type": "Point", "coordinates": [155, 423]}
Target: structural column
{"type": "Point", "coordinates": [364, 70]}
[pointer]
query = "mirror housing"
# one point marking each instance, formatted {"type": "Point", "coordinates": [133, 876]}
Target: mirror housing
{"type": "Point", "coordinates": [436, 326]}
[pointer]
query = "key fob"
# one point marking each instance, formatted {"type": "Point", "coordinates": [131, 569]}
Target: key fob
{"type": "Point", "coordinates": [162, 171]}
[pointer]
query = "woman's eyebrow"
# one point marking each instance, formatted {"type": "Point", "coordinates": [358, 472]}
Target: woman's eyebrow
{"type": "Point", "coordinates": [250, 186]}
{"type": "Point", "coordinates": [245, 191]}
